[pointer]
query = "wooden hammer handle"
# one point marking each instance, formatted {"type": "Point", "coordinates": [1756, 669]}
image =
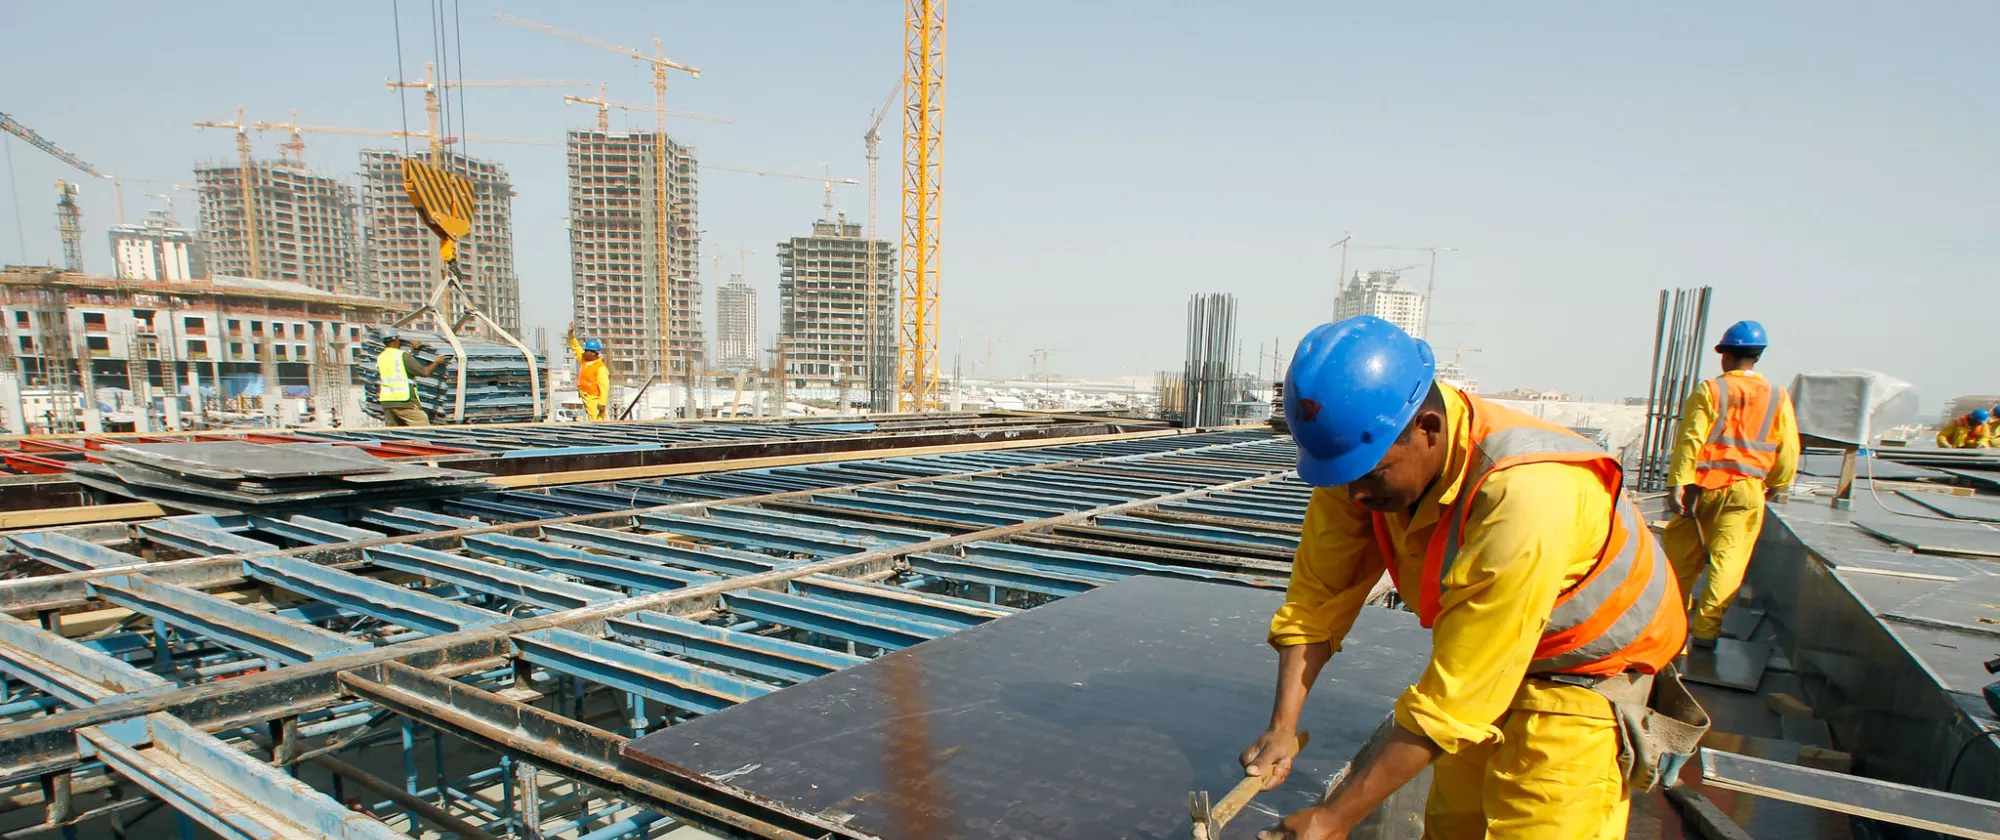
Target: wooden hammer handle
{"type": "Point", "coordinates": [1246, 790]}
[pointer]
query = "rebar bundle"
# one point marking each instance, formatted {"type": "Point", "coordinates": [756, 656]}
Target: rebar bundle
{"type": "Point", "coordinates": [1210, 373]}
{"type": "Point", "coordinates": [1678, 347]}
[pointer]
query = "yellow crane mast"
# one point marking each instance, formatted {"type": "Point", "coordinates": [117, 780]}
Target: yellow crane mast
{"type": "Point", "coordinates": [923, 159]}
{"type": "Point", "coordinates": [660, 64]}
{"type": "Point", "coordinates": [248, 175]}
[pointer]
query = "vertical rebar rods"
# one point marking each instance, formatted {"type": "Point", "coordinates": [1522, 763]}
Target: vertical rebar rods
{"type": "Point", "coordinates": [1211, 358]}
{"type": "Point", "coordinates": [1678, 335]}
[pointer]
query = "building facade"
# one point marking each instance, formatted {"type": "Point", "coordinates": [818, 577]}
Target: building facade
{"type": "Point", "coordinates": [828, 314]}
{"type": "Point", "coordinates": [1381, 294]}
{"type": "Point", "coordinates": [616, 253]}
{"type": "Point", "coordinates": [158, 249]}
{"type": "Point", "coordinates": [306, 224]}
{"type": "Point", "coordinates": [402, 255]}
{"type": "Point", "coordinates": [736, 325]}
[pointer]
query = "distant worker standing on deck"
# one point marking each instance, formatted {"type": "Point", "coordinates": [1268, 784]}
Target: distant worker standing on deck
{"type": "Point", "coordinates": [1972, 430]}
{"type": "Point", "coordinates": [593, 377]}
{"type": "Point", "coordinates": [398, 390]}
{"type": "Point", "coordinates": [1738, 444]}
{"type": "Point", "coordinates": [1553, 615]}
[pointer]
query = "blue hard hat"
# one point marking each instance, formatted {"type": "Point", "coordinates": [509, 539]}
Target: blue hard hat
{"type": "Point", "coordinates": [1352, 387]}
{"type": "Point", "coordinates": [593, 344]}
{"type": "Point", "coordinates": [1980, 415]}
{"type": "Point", "coordinates": [1745, 335]}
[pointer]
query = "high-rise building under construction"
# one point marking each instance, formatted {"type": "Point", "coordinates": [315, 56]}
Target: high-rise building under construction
{"type": "Point", "coordinates": [828, 311]}
{"type": "Point", "coordinates": [736, 325]}
{"type": "Point", "coordinates": [616, 248]}
{"type": "Point", "coordinates": [403, 253]}
{"type": "Point", "coordinates": [305, 225]}
{"type": "Point", "coordinates": [1381, 294]}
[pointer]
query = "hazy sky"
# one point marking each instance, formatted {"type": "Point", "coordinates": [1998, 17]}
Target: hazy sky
{"type": "Point", "coordinates": [1832, 168]}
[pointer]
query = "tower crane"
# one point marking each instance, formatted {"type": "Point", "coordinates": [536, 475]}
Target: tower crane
{"type": "Point", "coordinates": [14, 127]}
{"type": "Point", "coordinates": [828, 180]}
{"type": "Point", "coordinates": [296, 129]}
{"type": "Point", "coordinates": [69, 217]}
{"type": "Point", "coordinates": [247, 174]}
{"type": "Point", "coordinates": [660, 64]}
{"type": "Point", "coordinates": [434, 108]}
{"type": "Point", "coordinates": [604, 109]}
{"type": "Point", "coordinates": [879, 386]}
{"type": "Point", "coordinates": [923, 172]}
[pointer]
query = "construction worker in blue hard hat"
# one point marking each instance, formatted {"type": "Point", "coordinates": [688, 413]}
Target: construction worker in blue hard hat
{"type": "Point", "coordinates": [1737, 445]}
{"type": "Point", "coordinates": [1550, 607]}
{"type": "Point", "coordinates": [593, 376]}
{"type": "Point", "coordinates": [396, 389]}
{"type": "Point", "coordinates": [1971, 430]}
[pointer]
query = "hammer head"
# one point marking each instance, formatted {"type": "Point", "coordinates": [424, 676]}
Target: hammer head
{"type": "Point", "coordinates": [1203, 816]}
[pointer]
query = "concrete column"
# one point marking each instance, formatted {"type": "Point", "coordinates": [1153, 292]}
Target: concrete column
{"type": "Point", "coordinates": [194, 392]}
{"type": "Point", "coordinates": [10, 403]}
{"type": "Point", "coordinates": [172, 398]}
{"type": "Point", "coordinates": [93, 421]}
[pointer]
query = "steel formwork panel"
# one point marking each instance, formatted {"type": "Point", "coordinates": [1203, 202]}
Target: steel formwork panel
{"type": "Point", "coordinates": [398, 605]}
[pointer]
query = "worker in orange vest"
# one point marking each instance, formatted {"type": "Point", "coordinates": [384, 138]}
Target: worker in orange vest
{"type": "Point", "coordinates": [1737, 445]}
{"type": "Point", "coordinates": [1554, 618]}
{"type": "Point", "coordinates": [1971, 430]}
{"type": "Point", "coordinates": [593, 377]}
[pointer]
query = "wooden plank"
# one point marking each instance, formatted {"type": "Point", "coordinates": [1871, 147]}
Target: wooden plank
{"type": "Point", "coordinates": [662, 470]}
{"type": "Point", "coordinates": [1931, 810]}
{"type": "Point", "coordinates": [51, 517]}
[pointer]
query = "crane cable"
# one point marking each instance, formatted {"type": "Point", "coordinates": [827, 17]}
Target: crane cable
{"type": "Point", "coordinates": [402, 93]}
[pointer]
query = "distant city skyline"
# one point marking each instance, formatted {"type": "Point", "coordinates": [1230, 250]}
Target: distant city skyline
{"type": "Point", "coordinates": [1811, 162]}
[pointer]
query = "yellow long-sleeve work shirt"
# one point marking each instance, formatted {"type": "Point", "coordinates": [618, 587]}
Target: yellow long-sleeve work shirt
{"type": "Point", "coordinates": [1959, 434]}
{"type": "Point", "coordinates": [1698, 418]}
{"type": "Point", "coordinates": [592, 373]}
{"type": "Point", "coordinates": [1532, 531]}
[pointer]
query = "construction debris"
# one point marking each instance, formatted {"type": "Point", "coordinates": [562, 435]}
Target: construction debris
{"type": "Point", "coordinates": [222, 477]}
{"type": "Point", "coordinates": [498, 386]}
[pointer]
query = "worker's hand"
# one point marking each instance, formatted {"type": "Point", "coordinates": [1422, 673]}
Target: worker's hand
{"type": "Point", "coordinates": [1682, 499]}
{"type": "Point", "coordinates": [1310, 824]}
{"type": "Point", "coordinates": [1777, 494]}
{"type": "Point", "coordinates": [1271, 757]}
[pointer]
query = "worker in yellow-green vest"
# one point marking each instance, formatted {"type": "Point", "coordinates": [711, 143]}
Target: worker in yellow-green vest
{"type": "Point", "coordinates": [1738, 443]}
{"type": "Point", "coordinates": [1971, 430]}
{"type": "Point", "coordinates": [397, 391]}
{"type": "Point", "coordinates": [1554, 619]}
{"type": "Point", "coordinates": [593, 376]}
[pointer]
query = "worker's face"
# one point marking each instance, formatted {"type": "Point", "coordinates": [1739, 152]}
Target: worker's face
{"type": "Point", "coordinates": [1407, 470]}
{"type": "Point", "coordinates": [590, 355]}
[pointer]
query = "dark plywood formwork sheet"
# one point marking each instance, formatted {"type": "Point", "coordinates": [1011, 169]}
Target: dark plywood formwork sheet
{"type": "Point", "coordinates": [1090, 718]}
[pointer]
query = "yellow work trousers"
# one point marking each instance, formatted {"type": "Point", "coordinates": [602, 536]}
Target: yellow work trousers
{"type": "Point", "coordinates": [593, 408]}
{"type": "Point", "coordinates": [1551, 775]}
{"type": "Point", "coordinates": [1717, 537]}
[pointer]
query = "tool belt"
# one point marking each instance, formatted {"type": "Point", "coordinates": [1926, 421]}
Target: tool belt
{"type": "Point", "coordinates": [1659, 724]}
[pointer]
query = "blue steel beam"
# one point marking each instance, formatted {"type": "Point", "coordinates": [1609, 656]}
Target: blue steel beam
{"type": "Point", "coordinates": [886, 534]}
{"type": "Point", "coordinates": [927, 511]}
{"type": "Point", "coordinates": [636, 575]}
{"type": "Point", "coordinates": [367, 596]}
{"type": "Point", "coordinates": [1008, 575]}
{"type": "Point", "coordinates": [69, 553]}
{"type": "Point", "coordinates": [199, 539]}
{"type": "Point", "coordinates": [312, 531]}
{"type": "Point", "coordinates": [1241, 510]}
{"type": "Point", "coordinates": [832, 619]}
{"type": "Point", "coordinates": [1198, 533]}
{"type": "Point", "coordinates": [217, 785]}
{"type": "Point", "coordinates": [1111, 568]}
{"type": "Point", "coordinates": [894, 600]}
{"type": "Point", "coordinates": [499, 511]}
{"type": "Point", "coordinates": [1034, 507]}
{"type": "Point", "coordinates": [413, 521]}
{"type": "Point", "coordinates": [1019, 483]}
{"type": "Point", "coordinates": [761, 655]}
{"type": "Point", "coordinates": [682, 685]}
{"type": "Point", "coordinates": [66, 670]}
{"type": "Point", "coordinates": [721, 561]}
{"type": "Point", "coordinates": [232, 624]}
{"type": "Point", "coordinates": [764, 537]}
{"type": "Point", "coordinates": [490, 578]}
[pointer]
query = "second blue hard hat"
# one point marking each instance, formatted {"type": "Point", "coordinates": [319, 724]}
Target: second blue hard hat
{"type": "Point", "coordinates": [1352, 387]}
{"type": "Point", "coordinates": [1744, 335]}
{"type": "Point", "coordinates": [1980, 415]}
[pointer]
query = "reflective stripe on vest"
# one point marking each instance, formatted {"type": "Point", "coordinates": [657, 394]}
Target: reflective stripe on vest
{"type": "Point", "coordinates": [1735, 448]}
{"type": "Point", "coordinates": [1624, 614]}
{"type": "Point", "coordinates": [394, 376]}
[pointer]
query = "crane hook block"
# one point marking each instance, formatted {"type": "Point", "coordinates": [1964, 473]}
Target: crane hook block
{"type": "Point", "coordinates": [444, 200]}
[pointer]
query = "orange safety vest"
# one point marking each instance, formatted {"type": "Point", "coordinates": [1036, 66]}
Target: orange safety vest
{"type": "Point", "coordinates": [1624, 615]}
{"type": "Point", "coordinates": [586, 378]}
{"type": "Point", "coordinates": [1744, 441]}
